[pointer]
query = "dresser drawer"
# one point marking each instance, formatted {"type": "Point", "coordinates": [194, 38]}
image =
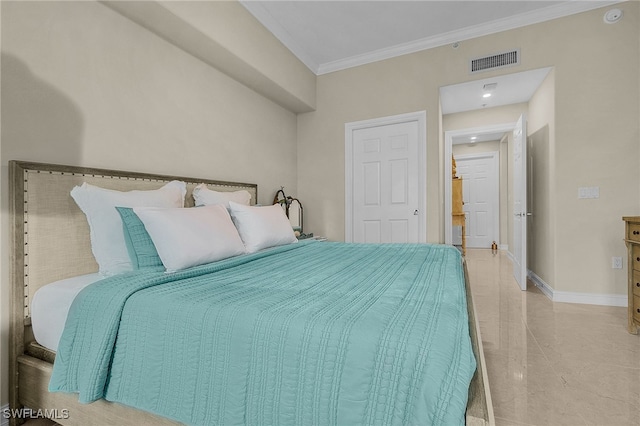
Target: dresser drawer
{"type": "Point", "coordinates": [635, 256]}
{"type": "Point", "coordinates": [636, 283]}
{"type": "Point", "coordinates": [636, 308]}
{"type": "Point", "coordinates": [633, 232]}
{"type": "Point", "coordinates": [456, 203]}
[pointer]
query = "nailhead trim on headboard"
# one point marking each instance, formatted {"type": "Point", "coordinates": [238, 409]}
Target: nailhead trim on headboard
{"type": "Point", "coordinates": [52, 169]}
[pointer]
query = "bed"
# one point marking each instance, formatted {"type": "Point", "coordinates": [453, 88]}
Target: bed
{"type": "Point", "coordinates": [285, 334]}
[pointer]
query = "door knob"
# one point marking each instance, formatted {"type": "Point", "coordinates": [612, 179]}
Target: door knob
{"type": "Point", "coordinates": [415, 212]}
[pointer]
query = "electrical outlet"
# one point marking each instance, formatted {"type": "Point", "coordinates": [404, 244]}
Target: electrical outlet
{"type": "Point", "coordinates": [616, 262]}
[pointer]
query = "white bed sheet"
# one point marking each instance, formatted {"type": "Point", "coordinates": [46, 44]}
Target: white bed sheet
{"type": "Point", "coordinates": [50, 306]}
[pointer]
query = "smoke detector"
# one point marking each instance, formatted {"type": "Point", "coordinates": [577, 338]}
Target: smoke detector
{"type": "Point", "coordinates": [612, 16]}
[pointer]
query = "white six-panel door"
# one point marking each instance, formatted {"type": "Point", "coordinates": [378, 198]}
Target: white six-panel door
{"type": "Point", "coordinates": [480, 193]}
{"type": "Point", "coordinates": [386, 202]}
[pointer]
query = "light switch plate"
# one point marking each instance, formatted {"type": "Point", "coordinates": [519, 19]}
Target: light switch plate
{"type": "Point", "coordinates": [588, 192]}
{"type": "Point", "coordinates": [616, 262]}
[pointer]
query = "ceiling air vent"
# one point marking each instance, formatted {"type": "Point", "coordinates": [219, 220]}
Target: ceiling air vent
{"type": "Point", "coordinates": [499, 60]}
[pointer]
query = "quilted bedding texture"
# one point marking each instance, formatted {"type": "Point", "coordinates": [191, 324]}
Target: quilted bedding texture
{"type": "Point", "coordinates": [309, 333]}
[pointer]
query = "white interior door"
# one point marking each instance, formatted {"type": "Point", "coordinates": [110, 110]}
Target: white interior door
{"type": "Point", "coordinates": [386, 190]}
{"type": "Point", "coordinates": [480, 193]}
{"type": "Point", "coordinates": [520, 202]}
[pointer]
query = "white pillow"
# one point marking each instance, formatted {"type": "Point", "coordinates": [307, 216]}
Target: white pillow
{"type": "Point", "coordinates": [191, 237]}
{"type": "Point", "coordinates": [204, 196]}
{"type": "Point", "coordinates": [107, 237]}
{"type": "Point", "coordinates": [262, 227]}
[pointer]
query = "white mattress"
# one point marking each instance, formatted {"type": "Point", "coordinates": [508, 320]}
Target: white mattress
{"type": "Point", "coordinates": [50, 306]}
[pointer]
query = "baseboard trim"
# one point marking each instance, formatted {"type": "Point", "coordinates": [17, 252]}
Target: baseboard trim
{"type": "Point", "coordinates": [591, 298]}
{"type": "Point", "coordinates": [546, 289]}
{"type": "Point", "coordinates": [510, 256]}
{"type": "Point", "coordinates": [4, 421]}
{"type": "Point", "coordinates": [602, 299]}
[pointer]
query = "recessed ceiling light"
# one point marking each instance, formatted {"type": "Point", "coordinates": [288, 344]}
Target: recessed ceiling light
{"type": "Point", "coordinates": [473, 138]}
{"type": "Point", "coordinates": [486, 95]}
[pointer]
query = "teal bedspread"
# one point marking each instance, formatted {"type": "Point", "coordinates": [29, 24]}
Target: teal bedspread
{"type": "Point", "coordinates": [313, 333]}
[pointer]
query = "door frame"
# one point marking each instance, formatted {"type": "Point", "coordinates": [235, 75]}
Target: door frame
{"type": "Point", "coordinates": [520, 265]}
{"type": "Point", "coordinates": [494, 157]}
{"type": "Point", "coordinates": [350, 128]}
{"type": "Point", "coordinates": [448, 151]}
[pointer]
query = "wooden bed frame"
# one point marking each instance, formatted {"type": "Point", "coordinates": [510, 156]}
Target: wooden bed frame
{"type": "Point", "coordinates": [50, 241]}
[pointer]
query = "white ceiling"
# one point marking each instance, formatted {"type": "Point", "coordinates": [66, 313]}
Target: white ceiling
{"type": "Point", "coordinates": [333, 35]}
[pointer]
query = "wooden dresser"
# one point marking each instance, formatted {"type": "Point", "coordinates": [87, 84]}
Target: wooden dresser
{"type": "Point", "coordinates": [632, 238]}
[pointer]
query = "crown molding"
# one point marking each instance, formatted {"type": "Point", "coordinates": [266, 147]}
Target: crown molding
{"type": "Point", "coordinates": [499, 25]}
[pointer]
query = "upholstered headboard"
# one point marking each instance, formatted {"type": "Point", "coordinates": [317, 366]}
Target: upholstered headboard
{"type": "Point", "coordinates": [51, 234]}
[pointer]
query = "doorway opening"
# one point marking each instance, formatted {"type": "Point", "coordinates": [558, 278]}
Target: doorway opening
{"type": "Point", "coordinates": [480, 173]}
{"type": "Point", "coordinates": [474, 103]}
{"type": "Point", "coordinates": [489, 132]}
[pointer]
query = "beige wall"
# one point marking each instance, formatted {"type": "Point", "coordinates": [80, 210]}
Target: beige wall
{"type": "Point", "coordinates": [82, 85]}
{"type": "Point", "coordinates": [257, 47]}
{"type": "Point", "coordinates": [541, 131]}
{"type": "Point", "coordinates": [596, 144]}
{"type": "Point", "coordinates": [244, 50]}
{"type": "Point", "coordinates": [596, 132]}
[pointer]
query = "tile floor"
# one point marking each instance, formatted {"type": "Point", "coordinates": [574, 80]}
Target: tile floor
{"type": "Point", "coordinates": [552, 363]}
